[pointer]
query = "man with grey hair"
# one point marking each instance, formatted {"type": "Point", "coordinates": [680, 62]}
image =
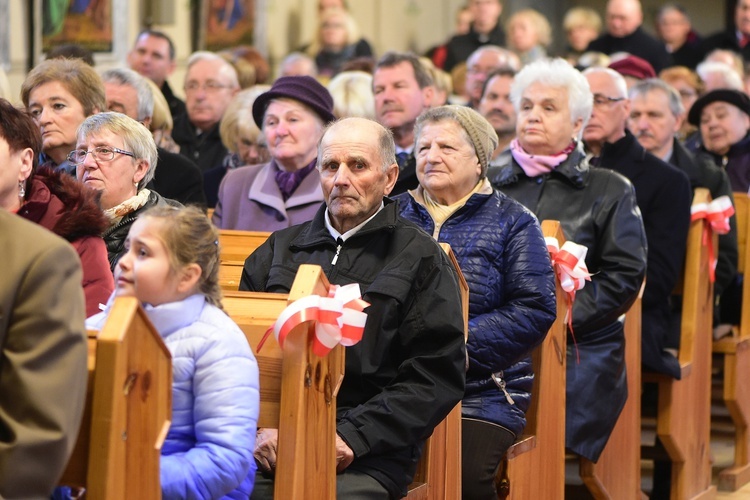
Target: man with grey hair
{"type": "Point", "coordinates": [664, 197]}
{"type": "Point", "coordinates": [656, 114]}
{"type": "Point", "coordinates": [407, 372]}
{"type": "Point", "coordinates": [403, 88]}
{"type": "Point", "coordinates": [176, 177]}
{"type": "Point", "coordinates": [210, 84]}
{"type": "Point", "coordinates": [481, 63]}
{"type": "Point", "coordinates": [624, 34]}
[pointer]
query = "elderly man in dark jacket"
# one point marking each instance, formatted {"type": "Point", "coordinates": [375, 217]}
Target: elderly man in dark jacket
{"type": "Point", "coordinates": [407, 373]}
{"type": "Point", "coordinates": [664, 198]}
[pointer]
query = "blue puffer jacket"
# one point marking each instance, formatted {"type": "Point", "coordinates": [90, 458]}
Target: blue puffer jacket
{"type": "Point", "coordinates": [208, 452]}
{"type": "Point", "coordinates": [502, 254]}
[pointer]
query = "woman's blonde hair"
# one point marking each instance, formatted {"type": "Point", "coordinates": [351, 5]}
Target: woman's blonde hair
{"type": "Point", "coordinates": [191, 238]}
{"type": "Point", "coordinates": [352, 95]}
{"type": "Point", "coordinates": [237, 121]}
{"type": "Point", "coordinates": [538, 22]}
{"type": "Point", "coordinates": [352, 31]}
{"type": "Point", "coordinates": [582, 16]}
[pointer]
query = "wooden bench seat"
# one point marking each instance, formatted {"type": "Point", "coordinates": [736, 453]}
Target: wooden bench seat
{"type": "Point", "coordinates": [437, 477]}
{"type": "Point", "coordinates": [534, 467]}
{"type": "Point", "coordinates": [683, 413]}
{"type": "Point", "coordinates": [736, 353]}
{"type": "Point", "coordinates": [128, 409]}
{"type": "Point", "coordinates": [617, 474]}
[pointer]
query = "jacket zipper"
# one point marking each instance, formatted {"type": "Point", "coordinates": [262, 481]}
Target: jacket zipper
{"type": "Point", "coordinates": [339, 244]}
{"type": "Point", "coordinates": [500, 382]}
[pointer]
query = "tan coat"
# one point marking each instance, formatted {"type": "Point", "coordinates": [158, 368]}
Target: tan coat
{"type": "Point", "coordinates": [43, 360]}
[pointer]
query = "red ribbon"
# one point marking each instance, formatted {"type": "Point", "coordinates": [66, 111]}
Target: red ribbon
{"type": "Point", "coordinates": [339, 318]}
{"type": "Point", "coordinates": [716, 216]}
{"type": "Point", "coordinates": [570, 264]}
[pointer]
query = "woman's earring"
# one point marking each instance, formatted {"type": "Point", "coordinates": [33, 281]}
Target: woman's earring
{"type": "Point", "coordinates": [21, 189]}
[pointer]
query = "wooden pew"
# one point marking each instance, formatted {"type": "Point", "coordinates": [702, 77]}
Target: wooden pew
{"type": "Point", "coordinates": [534, 467]}
{"type": "Point", "coordinates": [617, 474]}
{"type": "Point", "coordinates": [235, 247]}
{"type": "Point", "coordinates": [438, 476]}
{"type": "Point", "coordinates": [238, 245]}
{"type": "Point", "coordinates": [298, 395]}
{"type": "Point", "coordinates": [736, 352]}
{"type": "Point", "coordinates": [683, 413]}
{"type": "Point", "coordinates": [128, 409]}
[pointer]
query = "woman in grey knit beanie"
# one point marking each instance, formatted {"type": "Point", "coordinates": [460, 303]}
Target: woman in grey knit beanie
{"type": "Point", "coordinates": [502, 254]}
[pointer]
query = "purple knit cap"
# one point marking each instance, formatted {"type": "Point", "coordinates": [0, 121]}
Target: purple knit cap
{"type": "Point", "coordinates": [304, 89]}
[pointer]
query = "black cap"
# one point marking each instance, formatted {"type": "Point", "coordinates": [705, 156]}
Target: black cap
{"type": "Point", "coordinates": [733, 97]}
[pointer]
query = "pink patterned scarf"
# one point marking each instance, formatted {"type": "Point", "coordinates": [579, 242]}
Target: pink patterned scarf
{"type": "Point", "coordinates": [536, 165]}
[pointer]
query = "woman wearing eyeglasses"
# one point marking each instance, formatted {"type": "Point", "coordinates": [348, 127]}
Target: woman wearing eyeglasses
{"type": "Point", "coordinates": [116, 156]}
{"type": "Point", "coordinates": [54, 200]}
{"type": "Point", "coordinates": [59, 94]}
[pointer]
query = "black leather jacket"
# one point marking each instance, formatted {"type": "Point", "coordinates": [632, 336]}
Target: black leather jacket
{"type": "Point", "coordinates": [596, 208]}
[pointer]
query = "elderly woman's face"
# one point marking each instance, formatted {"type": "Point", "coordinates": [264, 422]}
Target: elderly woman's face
{"type": "Point", "coordinates": [58, 115]}
{"type": "Point", "coordinates": [447, 166]}
{"type": "Point", "coordinates": [722, 125]}
{"type": "Point", "coordinates": [544, 125]}
{"type": "Point", "coordinates": [292, 133]}
{"type": "Point", "coordinates": [117, 178]}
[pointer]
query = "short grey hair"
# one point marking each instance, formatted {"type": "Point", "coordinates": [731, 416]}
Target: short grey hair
{"type": "Point", "coordinates": [125, 76]}
{"type": "Point", "coordinates": [617, 79]}
{"type": "Point", "coordinates": [655, 85]}
{"type": "Point", "coordinates": [556, 73]}
{"type": "Point", "coordinates": [137, 138]}
{"type": "Point", "coordinates": [731, 79]}
{"type": "Point", "coordinates": [225, 67]}
{"type": "Point", "coordinates": [386, 143]}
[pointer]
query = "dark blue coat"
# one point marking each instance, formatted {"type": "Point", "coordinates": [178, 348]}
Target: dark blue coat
{"type": "Point", "coordinates": [502, 254]}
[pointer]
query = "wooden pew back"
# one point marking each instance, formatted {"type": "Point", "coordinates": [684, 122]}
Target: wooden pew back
{"type": "Point", "coordinates": [534, 466]}
{"type": "Point", "coordinates": [298, 395]}
{"type": "Point", "coordinates": [238, 245]}
{"type": "Point", "coordinates": [128, 409]}
{"type": "Point", "coordinates": [619, 466]}
{"type": "Point", "coordinates": [735, 350]}
{"type": "Point", "coordinates": [687, 440]}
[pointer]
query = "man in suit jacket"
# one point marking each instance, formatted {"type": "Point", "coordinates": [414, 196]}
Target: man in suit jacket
{"type": "Point", "coordinates": [403, 88]}
{"type": "Point", "coordinates": [43, 359]}
{"type": "Point", "coordinates": [664, 198]}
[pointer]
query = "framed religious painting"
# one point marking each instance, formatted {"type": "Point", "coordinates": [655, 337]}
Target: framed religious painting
{"type": "Point", "coordinates": [89, 24]}
{"type": "Point", "coordinates": [221, 24]}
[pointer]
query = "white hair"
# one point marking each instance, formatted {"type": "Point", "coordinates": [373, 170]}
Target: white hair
{"type": "Point", "coordinates": [728, 74]}
{"type": "Point", "coordinates": [225, 67]}
{"type": "Point", "coordinates": [617, 79]}
{"type": "Point", "coordinates": [556, 73]}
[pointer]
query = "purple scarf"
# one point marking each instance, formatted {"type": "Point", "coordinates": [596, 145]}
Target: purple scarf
{"type": "Point", "coordinates": [289, 181]}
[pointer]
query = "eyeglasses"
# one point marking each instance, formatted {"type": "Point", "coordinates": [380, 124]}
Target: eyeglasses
{"type": "Point", "coordinates": [603, 100]}
{"type": "Point", "coordinates": [209, 86]}
{"type": "Point", "coordinates": [99, 153]}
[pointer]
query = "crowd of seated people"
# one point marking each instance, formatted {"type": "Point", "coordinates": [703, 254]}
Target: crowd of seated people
{"type": "Point", "coordinates": [487, 134]}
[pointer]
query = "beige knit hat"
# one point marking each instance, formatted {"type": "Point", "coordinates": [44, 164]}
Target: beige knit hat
{"type": "Point", "coordinates": [480, 132]}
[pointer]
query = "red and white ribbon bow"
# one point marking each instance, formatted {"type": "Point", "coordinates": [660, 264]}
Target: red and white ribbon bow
{"type": "Point", "coordinates": [716, 214]}
{"type": "Point", "coordinates": [339, 318]}
{"type": "Point", "coordinates": [570, 264]}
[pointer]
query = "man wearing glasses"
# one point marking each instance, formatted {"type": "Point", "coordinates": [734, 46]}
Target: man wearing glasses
{"type": "Point", "coordinates": [664, 197]}
{"type": "Point", "coordinates": [210, 83]}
